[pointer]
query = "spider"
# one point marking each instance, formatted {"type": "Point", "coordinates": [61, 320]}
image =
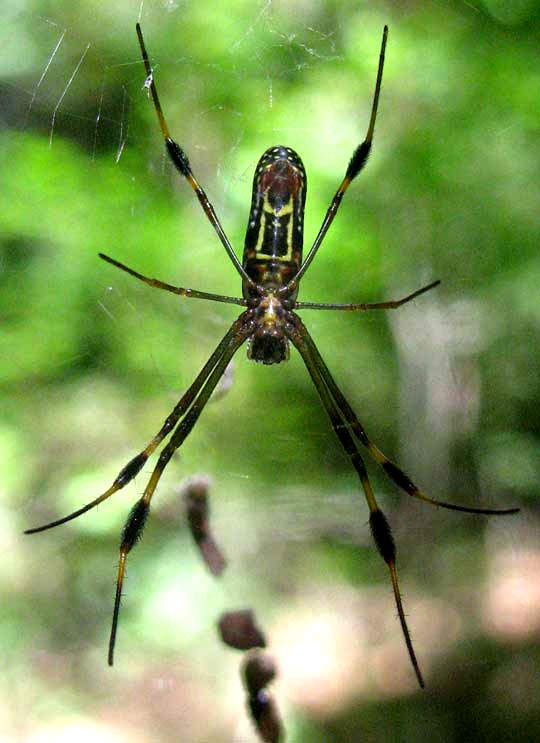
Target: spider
{"type": "Point", "coordinates": [271, 271]}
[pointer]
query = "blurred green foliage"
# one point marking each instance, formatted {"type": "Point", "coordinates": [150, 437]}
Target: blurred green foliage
{"type": "Point", "coordinates": [93, 361]}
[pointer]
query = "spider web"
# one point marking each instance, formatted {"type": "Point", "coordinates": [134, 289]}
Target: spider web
{"type": "Point", "coordinates": [302, 76]}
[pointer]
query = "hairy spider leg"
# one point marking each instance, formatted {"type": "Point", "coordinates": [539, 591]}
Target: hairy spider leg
{"type": "Point", "coordinates": [139, 513]}
{"type": "Point", "coordinates": [134, 466]}
{"type": "Point", "coordinates": [181, 162]}
{"type": "Point", "coordinates": [356, 163]}
{"type": "Point", "coordinates": [379, 525]}
{"type": "Point", "coordinates": [392, 470]}
{"type": "Point", "coordinates": [391, 304]}
{"type": "Point", "coordinates": [179, 290]}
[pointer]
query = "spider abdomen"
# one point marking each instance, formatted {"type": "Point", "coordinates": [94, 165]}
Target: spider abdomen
{"type": "Point", "coordinates": [274, 236]}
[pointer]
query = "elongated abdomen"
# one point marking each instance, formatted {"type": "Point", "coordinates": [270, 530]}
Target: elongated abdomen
{"type": "Point", "coordinates": [274, 236]}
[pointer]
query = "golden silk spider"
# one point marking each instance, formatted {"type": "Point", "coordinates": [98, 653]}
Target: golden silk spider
{"type": "Point", "coordinates": [271, 270]}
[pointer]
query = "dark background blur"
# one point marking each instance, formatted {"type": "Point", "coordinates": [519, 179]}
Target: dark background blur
{"type": "Point", "coordinates": [92, 362]}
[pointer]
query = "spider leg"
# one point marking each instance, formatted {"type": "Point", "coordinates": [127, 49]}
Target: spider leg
{"type": "Point", "coordinates": [180, 290]}
{"type": "Point", "coordinates": [391, 304]}
{"type": "Point", "coordinates": [139, 513]}
{"type": "Point", "coordinates": [392, 470]}
{"type": "Point", "coordinates": [134, 466]}
{"type": "Point", "coordinates": [181, 162]}
{"type": "Point", "coordinates": [356, 163]}
{"type": "Point", "coordinates": [379, 525]}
